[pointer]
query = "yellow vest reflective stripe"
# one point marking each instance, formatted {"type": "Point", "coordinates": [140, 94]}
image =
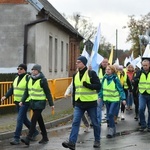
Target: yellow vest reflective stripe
{"type": "Point", "coordinates": [144, 84]}
{"type": "Point", "coordinates": [121, 78]}
{"type": "Point", "coordinates": [35, 90]}
{"type": "Point", "coordinates": [83, 93]}
{"type": "Point", "coordinates": [125, 81]}
{"type": "Point", "coordinates": [110, 93]}
{"type": "Point", "coordinates": [19, 89]}
{"type": "Point", "coordinates": [100, 74]}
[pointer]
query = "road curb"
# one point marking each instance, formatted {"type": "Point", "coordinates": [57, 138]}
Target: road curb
{"type": "Point", "coordinates": [49, 125]}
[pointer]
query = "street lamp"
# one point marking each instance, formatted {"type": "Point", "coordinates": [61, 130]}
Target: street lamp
{"type": "Point", "coordinates": [116, 43]}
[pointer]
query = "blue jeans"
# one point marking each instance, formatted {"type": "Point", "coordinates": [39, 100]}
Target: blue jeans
{"type": "Point", "coordinates": [21, 119]}
{"type": "Point", "coordinates": [78, 113]}
{"type": "Point", "coordinates": [144, 100]}
{"type": "Point", "coordinates": [111, 108]}
{"type": "Point", "coordinates": [99, 110]}
{"type": "Point", "coordinates": [117, 110]}
{"type": "Point", "coordinates": [130, 99]}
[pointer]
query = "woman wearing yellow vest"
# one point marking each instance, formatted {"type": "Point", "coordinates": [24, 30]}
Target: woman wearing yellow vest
{"type": "Point", "coordinates": [130, 73]}
{"type": "Point", "coordinates": [111, 93]}
{"type": "Point", "coordinates": [38, 91]}
{"type": "Point", "coordinates": [125, 82]}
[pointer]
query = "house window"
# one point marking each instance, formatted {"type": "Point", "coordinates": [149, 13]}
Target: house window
{"type": "Point", "coordinates": [72, 56]}
{"type": "Point", "coordinates": [50, 53]}
{"type": "Point", "coordinates": [67, 57]}
{"type": "Point", "coordinates": [56, 50]}
{"type": "Point", "coordinates": [74, 50]}
{"type": "Point", "coordinates": [62, 55]}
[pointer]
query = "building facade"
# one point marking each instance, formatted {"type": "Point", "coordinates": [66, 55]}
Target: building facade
{"type": "Point", "coordinates": [34, 32]}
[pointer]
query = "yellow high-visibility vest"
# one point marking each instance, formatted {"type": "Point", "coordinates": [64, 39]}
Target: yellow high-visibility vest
{"type": "Point", "coordinates": [144, 83]}
{"type": "Point", "coordinates": [35, 90]}
{"type": "Point", "coordinates": [121, 78]}
{"type": "Point", "coordinates": [19, 89]}
{"type": "Point", "coordinates": [100, 74]}
{"type": "Point", "coordinates": [125, 82]}
{"type": "Point", "coordinates": [83, 93]}
{"type": "Point", "coordinates": [110, 93]}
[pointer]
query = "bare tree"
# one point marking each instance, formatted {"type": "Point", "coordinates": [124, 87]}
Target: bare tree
{"type": "Point", "coordinates": [137, 27]}
{"type": "Point", "coordinates": [85, 27]}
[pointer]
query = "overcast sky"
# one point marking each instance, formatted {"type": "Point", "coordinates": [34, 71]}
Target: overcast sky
{"type": "Point", "coordinates": [111, 14]}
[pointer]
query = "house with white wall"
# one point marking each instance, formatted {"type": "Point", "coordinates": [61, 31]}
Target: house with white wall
{"type": "Point", "coordinates": [34, 32]}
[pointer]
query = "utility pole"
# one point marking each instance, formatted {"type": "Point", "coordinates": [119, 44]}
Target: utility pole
{"type": "Point", "coordinates": [116, 43]}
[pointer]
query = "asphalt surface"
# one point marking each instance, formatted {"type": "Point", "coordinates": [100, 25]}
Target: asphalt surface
{"type": "Point", "coordinates": [8, 122]}
{"type": "Point", "coordinates": [127, 137]}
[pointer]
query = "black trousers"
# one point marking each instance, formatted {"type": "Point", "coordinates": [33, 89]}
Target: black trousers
{"type": "Point", "coordinates": [136, 101]}
{"type": "Point", "coordinates": [37, 117]}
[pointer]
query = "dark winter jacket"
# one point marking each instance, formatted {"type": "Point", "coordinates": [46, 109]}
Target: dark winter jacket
{"type": "Point", "coordinates": [137, 78]}
{"type": "Point", "coordinates": [11, 90]}
{"type": "Point", "coordinates": [95, 85]}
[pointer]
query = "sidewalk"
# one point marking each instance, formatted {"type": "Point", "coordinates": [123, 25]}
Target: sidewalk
{"type": "Point", "coordinates": [63, 107]}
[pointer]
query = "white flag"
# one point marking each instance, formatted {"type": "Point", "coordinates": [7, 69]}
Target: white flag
{"type": "Point", "coordinates": [85, 53]}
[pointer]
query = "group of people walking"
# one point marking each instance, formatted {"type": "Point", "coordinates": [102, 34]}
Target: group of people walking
{"type": "Point", "coordinates": [114, 87]}
{"type": "Point", "coordinates": [30, 91]}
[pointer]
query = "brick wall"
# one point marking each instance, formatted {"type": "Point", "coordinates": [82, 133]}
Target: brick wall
{"type": "Point", "coordinates": [74, 53]}
{"type": "Point", "coordinates": [13, 1]}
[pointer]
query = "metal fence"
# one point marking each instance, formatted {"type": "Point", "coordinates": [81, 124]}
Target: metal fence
{"type": "Point", "coordinates": [57, 87]}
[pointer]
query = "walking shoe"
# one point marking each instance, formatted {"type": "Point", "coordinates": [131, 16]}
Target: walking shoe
{"type": "Point", "coordinates": [122, 116]}
{"type": "Point", "coordinates": [43, 141]}
{"type": "Point", "coordinates": [127, 108]}
{"type": "Point", "coordinates": [111, 133]}
{"type": "Point", "coordinates": [69, 145]}
{"type": "Point", "coordinates": [15, 142]}
{"type": "Point", "coordinates": [35, 134]}
{"type": "Point", "coordinates": [142, 129]}
{"type": "Point", "coordinates": [25, 140]}
{"type": "Point", "coordinates": [96, 144]}
{"type": "Point", "coordinates": [86, 129]}
{"type": "Point", "coordinates": [136, 117]}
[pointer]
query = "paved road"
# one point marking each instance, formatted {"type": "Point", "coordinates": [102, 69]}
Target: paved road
{"type": "Point", "coordinates": [128, 138]}
{"type": "Point", "coordinates": [132, 141]}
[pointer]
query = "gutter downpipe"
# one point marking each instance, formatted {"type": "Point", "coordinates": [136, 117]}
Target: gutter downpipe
{"type": "Point", "coordinates": [26, 27]}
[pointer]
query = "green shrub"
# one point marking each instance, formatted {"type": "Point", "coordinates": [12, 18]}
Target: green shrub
{"type": "Point", "coordinates": [7, 77]}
